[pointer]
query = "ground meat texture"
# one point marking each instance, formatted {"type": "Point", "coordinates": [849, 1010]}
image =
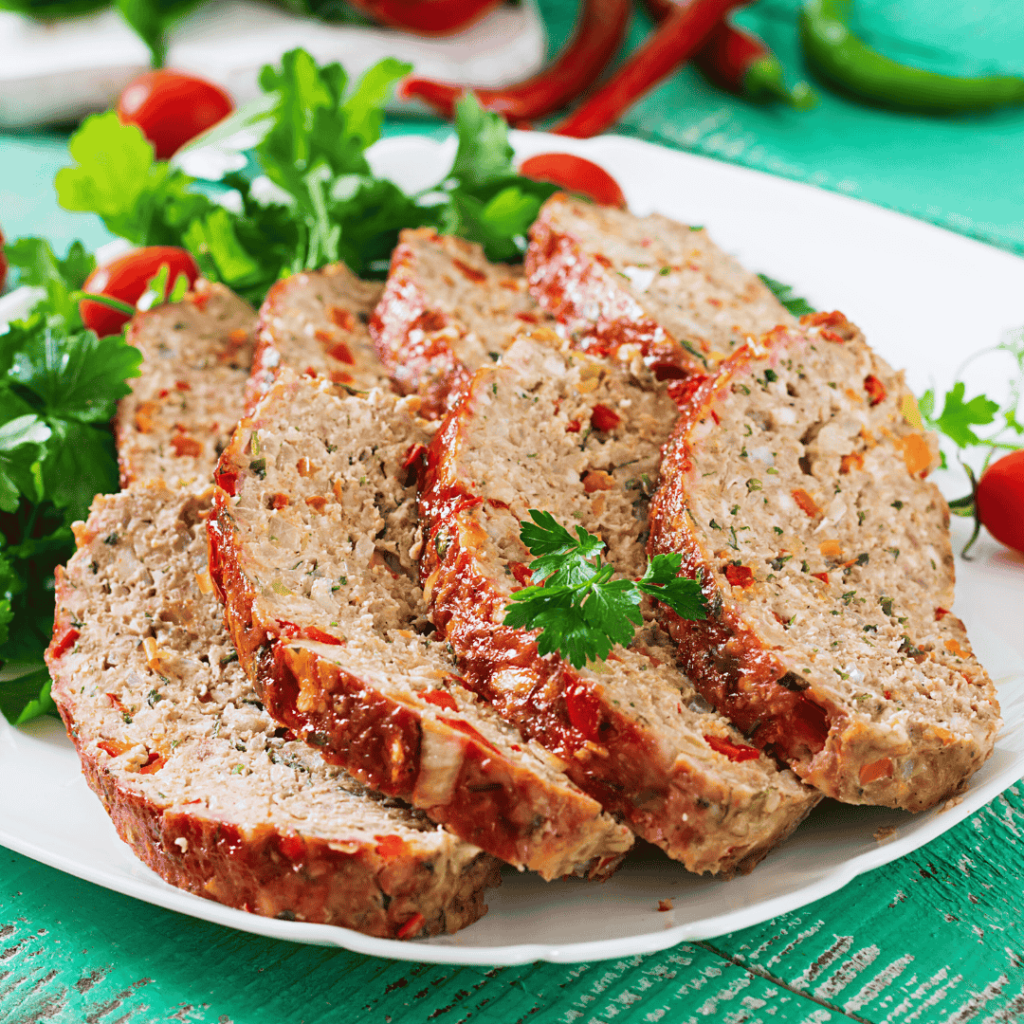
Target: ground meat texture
{"type": "Point", "coordinates": [315, 323]}
{"type": "Point", "coordinates": [315, 548]}
{"type": "Point", "coordinates": [182, 409]}
{"type": "Point", "coordinates": [198, 779]}
{"type": "Point", "coordinates": [612, 278]}
{"type": "Point", "coordinates": [559, 431]}
{"type": "Point", "coordinates": [796, 485]}
{"type": "Point", "coordinates": [446, 311]}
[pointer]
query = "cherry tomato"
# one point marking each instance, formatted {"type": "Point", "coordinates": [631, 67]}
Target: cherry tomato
{"type": "Point", "coordinates": [1000, 500]}
{"type": "Point", "coordinates": [575, 174]}
{"type": "Point", "coordinates": [171, 108]}
{"type": "Point", "coordinates": [126, 279]}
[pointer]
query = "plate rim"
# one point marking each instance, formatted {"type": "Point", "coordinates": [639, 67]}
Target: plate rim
{"type": "Point", "coordinates": [447, 949]}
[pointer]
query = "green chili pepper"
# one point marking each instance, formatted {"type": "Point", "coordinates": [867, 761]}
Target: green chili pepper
{"type": "Point", "coordinates": [845, 60]}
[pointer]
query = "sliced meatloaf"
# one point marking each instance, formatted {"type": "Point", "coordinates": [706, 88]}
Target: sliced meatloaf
{"type": "Point", "coordinates": [613, 278]}
{"type": "Point", "coordinates": [315, 323]}
{"type": "Point", "coordinates": [198, 779]}
{"type": "Point", "coordinates": [445, 312]}
{"type": "Point", "coordinates": [796, 487]}
{"type": "Point", "coordinates": [181, 411]}
{"type": "Point", "coordinates": [561, 432]}
{"type": "Point", "coordinates": [314, 548]}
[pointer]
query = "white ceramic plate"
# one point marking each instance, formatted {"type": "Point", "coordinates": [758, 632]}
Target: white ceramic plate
{"type": "Point", "coordinates": [926, 298]}
{"type": "Point", "coordinates": [63, 70]}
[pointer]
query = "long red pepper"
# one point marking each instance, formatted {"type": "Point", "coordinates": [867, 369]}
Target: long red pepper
{"type": "Point", "coordinates": [739, 62]}
{"type": "Point", "coordinates": [600, 30]}
{"type": "Point", "coordinates": [672, 43]}
{"type": "Point", "coordinates": [426, 17]}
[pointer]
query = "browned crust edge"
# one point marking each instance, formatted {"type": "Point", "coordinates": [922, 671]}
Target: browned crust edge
{"type": "Point", "coordinates": [385, 890]}
{"type": "Point", "coordinates": [740, 675]}
{"type": "Point", "coordinates": [572, 286]}
{"type": "Point", "coordinates": [494, 802]}
{"type": "Point", "coordinates": [411, 335]}
{"type": "Point", "coordinates": [605, 752]}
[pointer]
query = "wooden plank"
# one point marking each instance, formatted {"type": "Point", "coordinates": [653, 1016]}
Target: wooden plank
{"type": "Point", "coordinates": [936, 938]}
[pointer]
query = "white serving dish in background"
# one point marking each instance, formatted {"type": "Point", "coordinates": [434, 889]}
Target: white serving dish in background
{"type": "Point", "coordinates": [62, 70]}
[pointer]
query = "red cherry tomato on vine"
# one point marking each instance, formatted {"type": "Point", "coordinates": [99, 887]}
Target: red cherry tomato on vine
{"type": "Point", "coordinates": [126, 279]}
{"type": "Point", "coordinates": [1000, 500]}
{"type": "Point", "coordinates": [575, 174]}
{"type": "Point", "coordinates": [171, 108]}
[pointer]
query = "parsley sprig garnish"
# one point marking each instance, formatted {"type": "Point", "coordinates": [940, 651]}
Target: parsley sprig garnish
{"type": "Point", "coordinates": [308, 195]}
{"type": "Point", "coordinates": [960, 422]}
{"type": "Point", "coordinates": [305, 195]}
{"type": "Point", "coordinates": [581, 611]}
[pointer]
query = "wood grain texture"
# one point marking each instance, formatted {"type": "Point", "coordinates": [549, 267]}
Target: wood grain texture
{"type": "Point", "coordinates": [935, 938]}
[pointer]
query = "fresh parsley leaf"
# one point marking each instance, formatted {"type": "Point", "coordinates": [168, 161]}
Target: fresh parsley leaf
{"type": "Point", "coordinates": [957, 416]}
{"type": "Point", "coordinates": [20, 447]}
{"type": "Point", "coordinates": [484, 152]}
{"type": "Point", "coordinates": [38, 266]}
{"type": "Point", "coordinates": [117, 176]}
{"type": "Point", "coordinates": [488, 202]}
{"type": "Point", "coordinates": [564, 560]}
{"type": "Point", "coordinates": [79, 464]}
{"type": "Point", "coordinates": [579, 609]}
{"type": "Point", "coordinates": [26, 697]}
{"type": "Point", "coordinates": [74, 376]}
{"type": "Point", "coordinates": [8, 584]}
{"type": "Point", "coordinates": [784, 293]}
{"type": "Point", "coordinates": [663, 582]}
{"type": "Point", "coordinates": [613, 609]}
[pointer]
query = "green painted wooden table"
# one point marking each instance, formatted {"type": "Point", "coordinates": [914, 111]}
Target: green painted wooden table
{"type": "Point", "coordinates": [935, 938]}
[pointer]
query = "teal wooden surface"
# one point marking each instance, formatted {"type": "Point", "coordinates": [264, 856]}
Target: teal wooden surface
{"type": "Point", "coordinates": [964, 173]}
{"type": "Point", "coordinates": [935, 938]}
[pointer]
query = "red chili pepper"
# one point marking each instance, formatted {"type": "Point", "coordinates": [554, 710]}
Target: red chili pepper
{"type": "Point", "coordinates": [390, 847]}
{"type": "Point", "coordinates": [468, 730]}
{"type": "Point", "coordinates": [875, 389]}
{"type": "Point", "coordinates": [64, 644]}
{"type": "Point", "coordinates": [323, 637]}
{"type": "Point", "coordinates": [584, 709]}
{"type": "Point", "coordinates": [426, 17]}
{"type": "Point", "coordinates": [672, 43]}
{"type": "Point", "coordinates": [739, 62]}
{"type": "Point", "coordinates": [412, 927]}
{"type": "Point", "coordinates": [733, 751]}
{"type": "Point", "coordinates": [604, 419]}
{"type": "Point", "coordinates": [740, 575]}
{"type": "Point", "coordinates": [600, 30]}
{"type": "Point", "coordinates": [440, 698]}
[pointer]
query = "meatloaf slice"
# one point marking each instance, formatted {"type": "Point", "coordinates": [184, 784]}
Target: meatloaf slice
{"type": "Point", "coordinates": [198, 779]}
{"type": "Point", "coordinates": [795, 485]}
{"type": "Point", "coordinates": [613, 277]}
{"type": "Point", "coordinates": [316, 323]}
{"type": "Point", "coordinates": [181, 411]}
{"type": "Point", "coordinates": [314, 548]}
{"type": "Point", "coordinates": [579, 437]}
{"type": "Point", "coordinates": [445, 312]}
